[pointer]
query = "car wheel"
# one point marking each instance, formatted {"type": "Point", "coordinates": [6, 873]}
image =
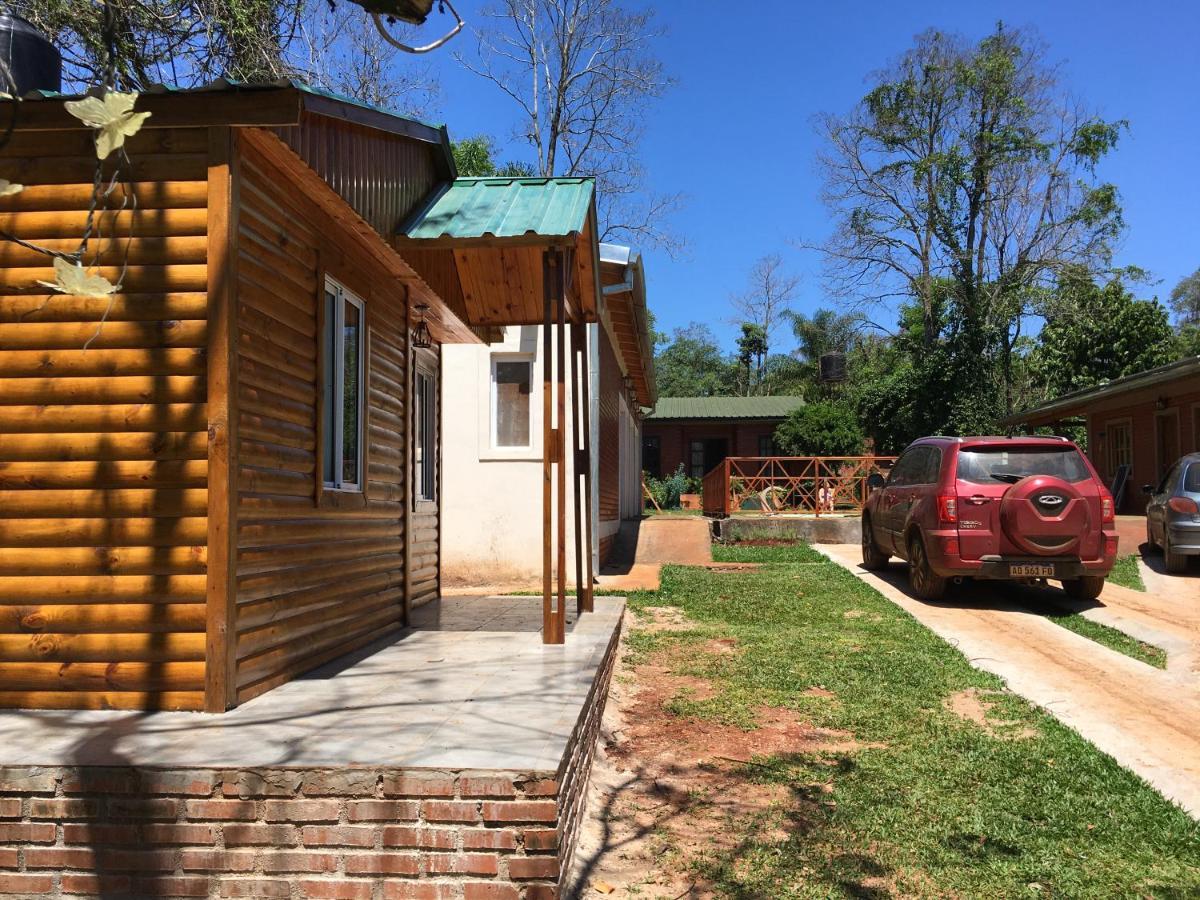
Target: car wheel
{"type": "Point", "coordinates": [1086, 588]}
{"type": "Point", "coordinates": [1150, 545]}
{"type": "Point", "coordinates": [1176, 563]}
{"type": "Point", "coordinates": [925, 583]}
{"type": "Point", "coordinates": [873, 558]}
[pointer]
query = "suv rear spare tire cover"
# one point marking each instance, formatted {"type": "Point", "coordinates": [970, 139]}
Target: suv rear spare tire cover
{"type": "Point", "coordinates": [1044, 515]}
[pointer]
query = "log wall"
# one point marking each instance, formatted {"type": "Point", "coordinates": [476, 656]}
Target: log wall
{"type": "Point", "coordinates": [319, 573]}
{"type": "Point", "coordinates": [103, 472]}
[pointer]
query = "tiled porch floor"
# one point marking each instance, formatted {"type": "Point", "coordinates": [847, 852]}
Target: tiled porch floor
{"type": "Point", "coordinates": [470, 685]}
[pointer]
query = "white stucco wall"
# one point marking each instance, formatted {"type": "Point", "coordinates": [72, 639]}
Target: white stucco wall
{"type": "Point", "coordinates": [492, 498]}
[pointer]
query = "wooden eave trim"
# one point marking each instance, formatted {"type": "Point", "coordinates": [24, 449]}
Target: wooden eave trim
{"type": "Point", "coordinates": [309, 189]}
{"type": "Point", "coordinates": [194, 109]}
{"type": "Point", "coordinates": [487, 242]}
{"type": "Point", "coordinates": [370, 118]}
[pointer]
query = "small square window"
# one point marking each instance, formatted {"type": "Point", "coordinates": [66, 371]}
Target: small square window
{"type": "Point", "coordinates": [512, 396]}
{"type": "Point", "coordinates": [342, 342]}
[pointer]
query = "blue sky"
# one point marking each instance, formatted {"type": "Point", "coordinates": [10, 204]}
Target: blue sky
{"type": "Point", "coordinates": [735, 134]}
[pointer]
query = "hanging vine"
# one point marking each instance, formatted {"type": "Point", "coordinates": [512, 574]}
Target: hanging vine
{"type": "Point", "coordinates": [112, 116]}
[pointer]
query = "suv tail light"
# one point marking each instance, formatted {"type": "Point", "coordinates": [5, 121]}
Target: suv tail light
{"type": "Point", "coordinates": [1107, 511]}
{"type": "Point", "coordinates": [947, 506]}
{"type": "Point", "coordinates": [1185, 505]}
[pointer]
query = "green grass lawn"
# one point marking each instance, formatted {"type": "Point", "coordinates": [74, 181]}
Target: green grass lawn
{"type": "Point", "coordinates": [933, 804]}
{"type": "Point", "coordinates": [1111, 638]}
{"type": "Point", "coordinates": [1126, 574]}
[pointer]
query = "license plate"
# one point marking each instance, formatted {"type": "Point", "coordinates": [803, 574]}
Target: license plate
{"type": "Point", "coordinates": [1027, 570]}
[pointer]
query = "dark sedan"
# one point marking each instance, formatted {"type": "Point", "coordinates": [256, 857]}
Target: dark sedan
{"type": "Point", "coordinates": [1173, 513]}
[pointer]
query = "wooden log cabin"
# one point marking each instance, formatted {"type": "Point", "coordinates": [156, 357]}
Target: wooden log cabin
{"type": "Point", "coordinates": [227, 473]}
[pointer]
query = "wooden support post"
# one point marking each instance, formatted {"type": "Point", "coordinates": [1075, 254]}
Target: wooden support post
{"type": "Point", "coordinates": [578, 462]}
{"type": "Point", "coordinates": [548, 282]}
{"type": "Point", "coordinates": [220, 669]}
{"type": "Point", "coordinates": [560, 625]}
{"type": "Point", "coordinates": [410, 499]}
{"type": "Point", "coordinates": [586, 603]}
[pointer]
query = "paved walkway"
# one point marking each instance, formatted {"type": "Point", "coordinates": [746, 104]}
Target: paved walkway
{"type": "Point", "coordinates": [1145, 718]}
{"type": "Point", "coordinates": [644, 546]}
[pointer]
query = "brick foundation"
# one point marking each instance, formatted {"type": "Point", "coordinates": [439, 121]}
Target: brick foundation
{"type": "Point", "coordinates": [302, 834]}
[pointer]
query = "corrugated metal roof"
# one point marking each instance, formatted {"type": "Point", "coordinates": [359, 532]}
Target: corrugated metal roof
{"type": "Point", "coordinates": [725, 407]}
{"type": "Point", "coordinates": [505, 207]}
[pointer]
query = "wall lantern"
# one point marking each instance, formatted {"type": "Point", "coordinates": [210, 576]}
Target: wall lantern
{"type": "Point", "coordinates": [1161, 403]}
{"type": "Point", "coordinates": [421, 338]}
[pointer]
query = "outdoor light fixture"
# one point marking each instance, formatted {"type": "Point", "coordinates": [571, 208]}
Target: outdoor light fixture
{"type": "Point", "coordinates": [421, 338]}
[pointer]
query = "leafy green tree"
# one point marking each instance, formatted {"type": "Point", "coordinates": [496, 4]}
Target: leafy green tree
{"type": "Point", "coordinates": [824, 428]}
{"type": "Point", "coordinates": [1185, 299]}
{"type": "Point", "coordinates": [966, 179]}
{"type": "Point", "coordinates": [476, 157]}
{"type": "Point", "coordinates": [1103, 332]}
{"type": "Point", "coordinates": [692, 365]}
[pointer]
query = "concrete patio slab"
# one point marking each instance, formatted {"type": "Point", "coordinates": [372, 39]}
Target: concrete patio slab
{"type": "Point", "coordinates": [470, 685]}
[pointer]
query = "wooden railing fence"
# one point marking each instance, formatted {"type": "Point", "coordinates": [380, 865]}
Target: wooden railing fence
{"type": "Point", "coordinates": [815, 485]}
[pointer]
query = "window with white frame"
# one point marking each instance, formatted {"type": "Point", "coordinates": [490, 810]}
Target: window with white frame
{"type": "Point", "coordinates": [342, 388]}
{"type": "Point", "coordinates": [512, 402]}
{"type": "Point", "coordinates": [425, 424]}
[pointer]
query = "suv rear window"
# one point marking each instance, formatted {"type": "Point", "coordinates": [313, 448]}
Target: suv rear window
{"type": "Point", "coordinates": [988, 465]}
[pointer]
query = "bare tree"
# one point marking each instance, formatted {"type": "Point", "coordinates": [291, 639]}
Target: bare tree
{"type": "Point", "coordinates": [770, 296]}
{"type": "Point", "coordinates": [583, 76]}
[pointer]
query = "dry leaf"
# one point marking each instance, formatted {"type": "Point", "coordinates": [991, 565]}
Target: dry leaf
{"type": "Point", "coordinates": [113, 118]}
{"type": "Point", "coordinates": [602, 887]}
{"type": "Point", "coordinates": [7, 188]}
{"type": "Point", "coordinates": [72, 278]}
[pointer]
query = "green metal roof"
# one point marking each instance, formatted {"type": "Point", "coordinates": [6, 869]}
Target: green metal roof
{"type": "Point", "coordinates": [505, 207]}
{"type": "Point", "coordinates": [725, 407]}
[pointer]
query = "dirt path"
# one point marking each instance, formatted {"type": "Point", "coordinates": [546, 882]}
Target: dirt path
{"type": "Point", "coordinates": [665, 790]}
{"type": "Point", "coordinates": [1145, 718]}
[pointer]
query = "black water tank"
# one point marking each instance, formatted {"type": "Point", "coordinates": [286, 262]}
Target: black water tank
{"type": "Point", "coordinates": [833, 367]}
{"type": "Point", "coordinates": [34, 62]}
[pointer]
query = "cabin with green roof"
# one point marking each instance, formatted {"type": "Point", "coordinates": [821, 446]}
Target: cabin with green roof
{"type": "Point", "coordinates": [700, 432]}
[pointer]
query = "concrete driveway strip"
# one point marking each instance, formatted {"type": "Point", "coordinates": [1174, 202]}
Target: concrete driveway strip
{"type": "Point", "coordinates": [1146, 719]}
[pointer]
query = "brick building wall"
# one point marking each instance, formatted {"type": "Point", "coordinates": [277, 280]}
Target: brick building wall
{"type": "Point", "coordinates": [675, 437]}
{"type": "Point", "coordinates": [1162, 425]}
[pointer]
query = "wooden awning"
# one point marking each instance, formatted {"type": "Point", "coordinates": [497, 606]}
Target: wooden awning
{"type": "Point", "coordinates": [480, 243]}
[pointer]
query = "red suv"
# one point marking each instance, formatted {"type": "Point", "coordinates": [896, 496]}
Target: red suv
{"type": "Point", "coordinates": [1018, 509]}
